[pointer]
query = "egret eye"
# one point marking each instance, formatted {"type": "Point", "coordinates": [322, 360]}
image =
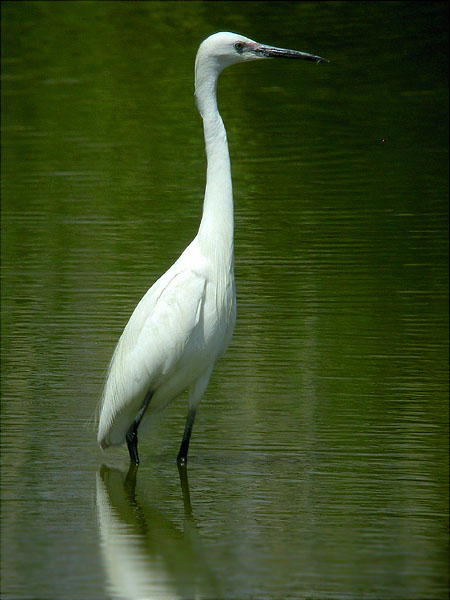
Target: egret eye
{"type": "Point", "coordinates": [239, 47]}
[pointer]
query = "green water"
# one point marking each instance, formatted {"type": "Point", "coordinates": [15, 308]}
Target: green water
{"type": "Point", "coordinates": [319, 459]}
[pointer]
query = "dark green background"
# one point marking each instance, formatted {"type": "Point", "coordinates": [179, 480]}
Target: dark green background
{"type": "Point", "coordinates": [319, 460]}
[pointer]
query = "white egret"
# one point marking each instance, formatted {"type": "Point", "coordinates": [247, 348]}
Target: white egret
{"type": "Point", "coordinates": [185, 321]}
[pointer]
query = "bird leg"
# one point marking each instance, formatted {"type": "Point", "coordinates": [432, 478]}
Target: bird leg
{"type": "Point", "coordinates": [182, 471]}
{"type": "Point", "coordinates": [131, 436]}
{"type": "Point", "coordinates": [132, 441]}
{"type": "Point", "coordinates": [182, 454]}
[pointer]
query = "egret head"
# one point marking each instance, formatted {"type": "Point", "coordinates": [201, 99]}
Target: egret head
{"type": "Point", "coordinates": [225, 48]}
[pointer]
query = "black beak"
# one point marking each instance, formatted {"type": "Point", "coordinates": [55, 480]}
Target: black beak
{"type": "Point", "coordinates": [273, 52]}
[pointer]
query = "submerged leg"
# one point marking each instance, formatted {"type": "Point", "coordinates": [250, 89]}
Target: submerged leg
{"type": "Point", "coordinates": [196, 391]}
{"type": "Point", "coordinates": [182, 454]}
{"type": "Point", "coordinates": [132, 441]}
{"type": "Point", "coordinates": [182, 471]}
{"type": "Point", "coordinates": [131, 436]}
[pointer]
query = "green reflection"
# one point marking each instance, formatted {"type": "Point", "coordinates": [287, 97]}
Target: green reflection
{"type": "Point", "coordinates": [320, 458]}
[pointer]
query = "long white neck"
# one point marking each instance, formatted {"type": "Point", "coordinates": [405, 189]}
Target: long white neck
{"type": "Point", "coordinates": [215, 233]}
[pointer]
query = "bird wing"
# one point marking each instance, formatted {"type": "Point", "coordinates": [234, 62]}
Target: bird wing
{"type": "Point", "coordinates": [170, 325]}
{"type": "Point", "coordinates": [150, 348]}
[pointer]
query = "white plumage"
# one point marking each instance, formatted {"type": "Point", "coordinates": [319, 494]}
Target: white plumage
{"type": "Point", "coordinates": [173, 338]}
{"type": "Point", "coordinates": [185, 321]}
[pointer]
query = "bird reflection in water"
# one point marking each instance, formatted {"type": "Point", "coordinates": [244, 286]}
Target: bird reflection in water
{"type": "Point", "coordinates": [145, 554]}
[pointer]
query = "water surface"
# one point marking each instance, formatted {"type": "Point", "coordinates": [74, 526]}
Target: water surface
{"type": "Point", "coordinates": [319, 459]}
